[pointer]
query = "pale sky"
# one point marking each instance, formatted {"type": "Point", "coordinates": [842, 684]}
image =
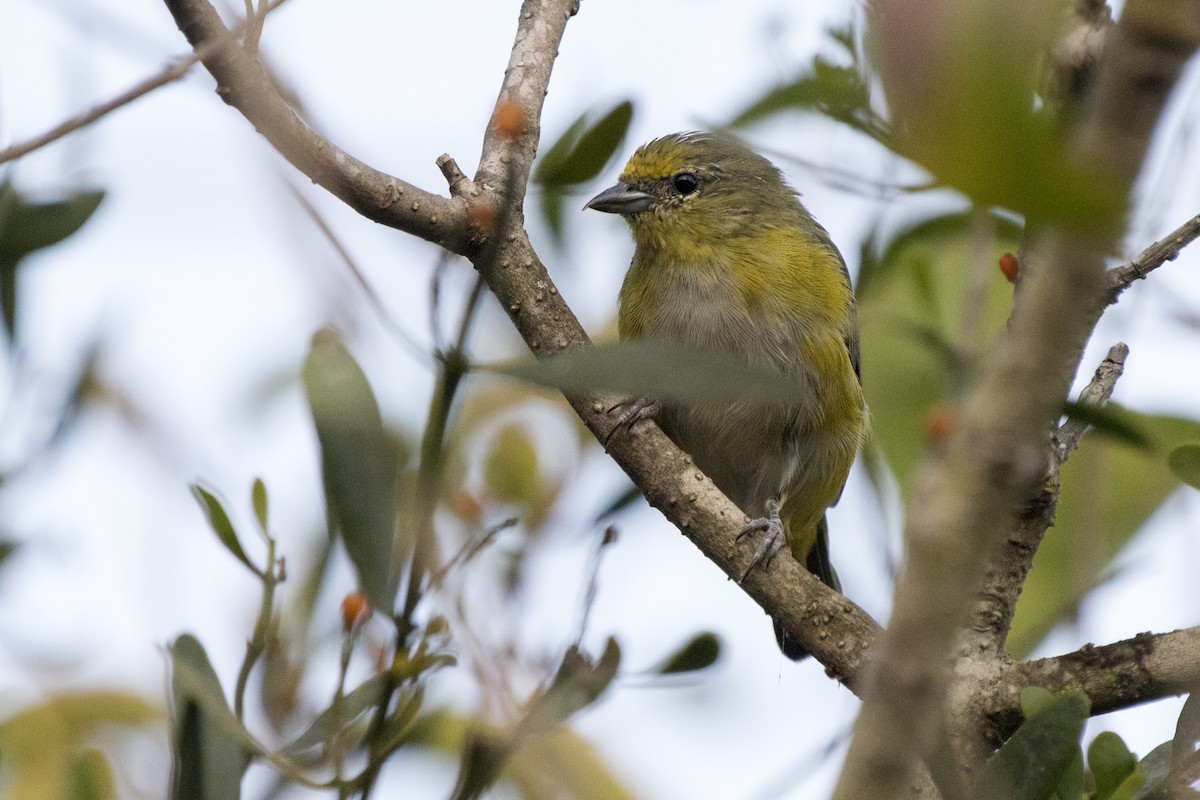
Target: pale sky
{"type": "Point", "coordinates": [203, 282]}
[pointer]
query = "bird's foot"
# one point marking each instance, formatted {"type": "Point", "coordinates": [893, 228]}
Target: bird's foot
{"type": "Point", "coordinates": [630, 412]}
{"type": "Point", "coordinates": [771, 527]}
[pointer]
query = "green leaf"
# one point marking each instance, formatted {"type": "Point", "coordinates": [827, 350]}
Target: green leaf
{"type": "Point", "coordinates": [966, 107]}
{"type": "Point", "coordinates": [584, 158]}
{"type": "Point", "coordinates": [210, 754]}
{"type": "Point", "coordinates": [258, 499]}
{"type": "Point", "coordinates": [1110, 422]}
{"type": "Point", "coordinates": [27, 225]}
{"type": "Point", "coordinates": [359, 462]}
{"type": "Point", "coordinates": [914, 305]}
{"type": "Point", "coordinates": [657, 369]}
{"type": "Point", "coordinates": [839, 91]}
{"type": "Point", "coordinates": [89, 777]}
{"type": "Point", "coordinates": [1031, 764]}
{"type": "Point", "coordinates": [1184, 461]}
{"type": "Point", "coordinates": [556, 153]}
{"type": "Point", "coordinates": [218, 520]}
{"type": "Point", "coordinates": [1109, 490]}
{"type": "Point", "coordinates": [1112, 767]}
{"type": "Point", "coordinates": [343, 713]}
{"type": "Point", "coordinates": [576, 685]}
{"type": "Point", "coordinates": [700, 653]}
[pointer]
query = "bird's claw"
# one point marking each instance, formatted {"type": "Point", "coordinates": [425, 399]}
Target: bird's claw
{"type": "Point", "coordinates": [631, 412]}
{"type": "Point", "coordinates": [771, 527]}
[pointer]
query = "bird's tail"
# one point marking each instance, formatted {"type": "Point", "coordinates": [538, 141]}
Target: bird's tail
{"type": "Point", "coordinates": [818, 564]}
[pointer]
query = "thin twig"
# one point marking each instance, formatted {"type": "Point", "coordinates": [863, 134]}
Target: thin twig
{"type": "Point", "coordinates": [183, 64]}
{"type": "Point", "coordinates": [1164, 250]}
{"type": "Point", "coordinates": [1096, 393]}
{"type": "Point", "coordinates": [421, 354]}
{"type": "Point", "coordinates": [243, 83]}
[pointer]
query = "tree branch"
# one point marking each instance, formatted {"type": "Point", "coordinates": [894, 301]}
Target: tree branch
{"type": "Point", "coordinates": [967, 499]}
{"type": "Point", "coordinates": [1164, 250]}
{"type": "Point", "coordinates": [1006, 572]}
{"type": "Point", "coordinates": [1114, 676]}
{"type": "Point", "coordinates": [242, 83]}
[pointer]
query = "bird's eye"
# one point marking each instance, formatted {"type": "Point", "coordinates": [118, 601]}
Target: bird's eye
{"type": "Point", "coordinates": [685, 183]}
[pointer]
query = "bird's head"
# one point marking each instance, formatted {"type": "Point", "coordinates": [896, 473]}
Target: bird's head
{"type": "Point", "coordinates": [698, 186]}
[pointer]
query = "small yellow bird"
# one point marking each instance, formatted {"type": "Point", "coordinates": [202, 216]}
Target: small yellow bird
{"type": "Point", "coordinates": [727, 259]}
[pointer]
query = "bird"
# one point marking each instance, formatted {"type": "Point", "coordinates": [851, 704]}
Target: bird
{"type": "Point", "coordinates": [728, 260]}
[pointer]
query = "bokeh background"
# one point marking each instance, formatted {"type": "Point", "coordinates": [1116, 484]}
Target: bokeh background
{"type": "Point", "coordinates": [162, 343]}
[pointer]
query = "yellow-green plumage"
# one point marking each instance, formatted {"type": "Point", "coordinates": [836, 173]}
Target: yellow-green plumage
{"type": "Point", "coordinates": [737, 265]}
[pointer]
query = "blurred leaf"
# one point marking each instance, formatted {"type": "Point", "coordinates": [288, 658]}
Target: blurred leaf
{"type": "Point", "coordinates": [1114, 769]}
{"type": "Point", "coordinates": [47, 746]}
{"type": "Point", "coordinates": [558, 152]}
{"type": "Point", "coordinates": [1109, 490]}
{"type": "Point", "coordinates": [664, 371]}
{"type": "Point", "coordinates": [912, 317]}
{"type": "Point", "coordinates": [1184, 461]}
{"type": "Point", "coordinates": [398, 727]}
{"type": "Point", "coordinates": [510, 466]}
{"type": "Point", "coordinates": [626, 498]}
{"type": "Point", "coordinates": [339, 716]}
{"type": "Point", "coordinates": [90, 777]}
{"type": "Point", "coordinates": [7, 548]}
{"type": "Point", "coordinates": [558, 764]}
{"type": "Point", "coordinates": [1030, 765]}
{"type": "Point", "coordinates": [1187, 734]}
{"type": "Point", "coordinates": [209, 759]}
{"type": "Point", "coordinates": [258, 499]}
{"type": "Point", "coordinates": [928, 236]}
{"type": "Point", "coordinates": [578, 156]}
{"type": "Point", "coordinates": [1156, 766]}
{"type": "Point", "coordinates": [699, 653]}
{"type": "Point", "coordinates": [218, 520]}
{"type": "Point", "coordinates": [840, 92]}
{"type": "Point", "coordinates": [359, 462]}
{"type": "Point", "coordinates": [1034, 700]}
{"type": "Point", "coordinates": [27, 225]}
{"type": "Point", "coordinates": [583, 159]}
{"type": "Point", "coordinates": [961, 80]}
{"type": "Point", "coordinates": [577, 684]}
{"type": "Point", "coordinates": [551, 205]}
{"type": "Point", "coordinates": [1071, 782]}
{"type": "Point", "coordinates": [1106, 421]}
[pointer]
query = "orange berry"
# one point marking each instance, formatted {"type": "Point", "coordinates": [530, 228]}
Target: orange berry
{"type": "Point", "coordinates": [1008, 265]}
{"type": "Point", "coordinates": [354, 609]}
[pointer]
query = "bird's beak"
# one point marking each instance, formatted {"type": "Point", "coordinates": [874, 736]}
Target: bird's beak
{"type": "Point", "coordinates": [621, 199]}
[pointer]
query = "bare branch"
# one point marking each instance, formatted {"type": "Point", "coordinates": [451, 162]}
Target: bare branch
{"type": "Point", "coordinates": [1006, 572]}
{"type": "Point", "coordinates": [1119, 675]}
{"type": "Point", "coordinates": [242, 82]}
{"type": "Point", "coordinates": [1096, 393]}
{"type": "Point", "coordinates": [1164, 250]}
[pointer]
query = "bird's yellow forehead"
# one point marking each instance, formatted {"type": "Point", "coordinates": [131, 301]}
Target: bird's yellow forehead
{"type": "Point", "coordinates": [653, 165]}
{"type": "Point", "coordinates": [664, 157]}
